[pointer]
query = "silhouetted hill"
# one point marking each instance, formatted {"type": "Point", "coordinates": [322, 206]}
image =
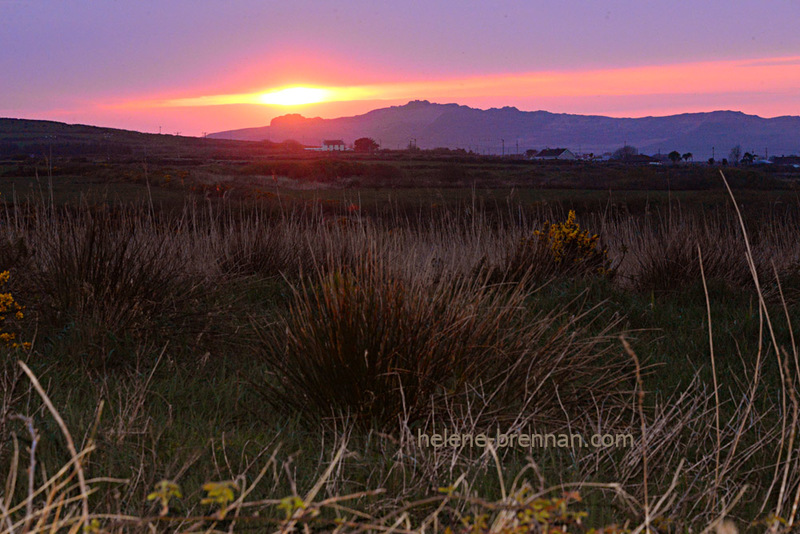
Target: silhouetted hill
{"type": "Point", "coordinates": [25, 138]}
{"type": "Point", "coordinates": [456, 126]}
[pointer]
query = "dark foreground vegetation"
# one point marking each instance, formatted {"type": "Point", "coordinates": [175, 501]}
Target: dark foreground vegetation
{"type": "Point", "coordinates": [213, 350]}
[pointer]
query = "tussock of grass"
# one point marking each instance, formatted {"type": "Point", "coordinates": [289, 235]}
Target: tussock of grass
{"type": "Point", "coordinates": [660, 253]}
{"type": "Point", "coordinates": [665, 258]}
{"type": "Point", "coordinates": [96, 270]}
{"type": "Point", "coordinates": [369, 344]}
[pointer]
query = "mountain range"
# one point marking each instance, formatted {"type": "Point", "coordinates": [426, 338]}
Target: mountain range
{"type": "Point", "coordinates": [509, 130]}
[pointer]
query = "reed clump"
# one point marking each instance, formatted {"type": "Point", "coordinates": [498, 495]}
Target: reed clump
{"type": "Point", "coordinates": [367, 343]}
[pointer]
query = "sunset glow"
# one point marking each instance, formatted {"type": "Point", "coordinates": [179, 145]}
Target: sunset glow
{"type": "Point", "coordinates": [201, 67]}
{"type": "Point", "coordinates": [295, 96]}
{"type": "Point", "coordinates": [776, 75]}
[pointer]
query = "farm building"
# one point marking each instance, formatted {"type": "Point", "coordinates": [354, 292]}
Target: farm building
{"type": "Point", "coordinates": [555, 153]}
{"type": "Point", "coordinates": [333, 144]}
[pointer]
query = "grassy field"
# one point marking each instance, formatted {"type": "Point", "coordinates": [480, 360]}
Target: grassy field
{"type": "Point", "coordinates": [262, 345]}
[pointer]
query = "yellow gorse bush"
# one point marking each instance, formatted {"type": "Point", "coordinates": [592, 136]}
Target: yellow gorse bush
{"type": "Point", "coordinates": [9, 309]}
{"type": "Point", "coordinates": [568, 242]}
{"type": "Point", "coordinates": [558, 249]}
{"type": "Point", "coordinates": [568, 245]}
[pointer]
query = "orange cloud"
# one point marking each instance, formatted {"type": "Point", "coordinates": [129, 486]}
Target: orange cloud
{"type": "Point", "coordinates": [759, 75]}
{"type": "Point", "coordinates": [774, 74]}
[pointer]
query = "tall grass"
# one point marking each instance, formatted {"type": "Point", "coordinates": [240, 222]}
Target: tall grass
{"type": "Point", "coordinates": [658, 252]}
{"type": "Point", "coordinates": [362, 331]}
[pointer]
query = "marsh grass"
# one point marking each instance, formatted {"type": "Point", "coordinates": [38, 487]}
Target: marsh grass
{"type": "Point", "coordinates": [109, 280]}
{"type": "Point", "coordinates": [215, 309]}
{"type": "Point", "coordinates": [659, 253]}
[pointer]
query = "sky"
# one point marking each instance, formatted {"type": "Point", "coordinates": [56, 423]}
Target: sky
{"type": "Point", "coordinates": [201, 66]}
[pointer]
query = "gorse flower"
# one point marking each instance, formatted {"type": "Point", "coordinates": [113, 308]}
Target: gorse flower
{"type": "Point", "coordinates": [566, 247]}
{"type": "Point", "coordinates": [9, 310]}
{"type": "Point", "coordinates": [568, 242]}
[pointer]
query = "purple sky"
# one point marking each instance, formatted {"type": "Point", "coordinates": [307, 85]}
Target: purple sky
{"type": "Point", "coordinates": [115, 63]}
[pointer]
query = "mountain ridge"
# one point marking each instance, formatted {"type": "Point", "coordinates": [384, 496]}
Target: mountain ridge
{"type": "Point", "coordinates": [493, 130]}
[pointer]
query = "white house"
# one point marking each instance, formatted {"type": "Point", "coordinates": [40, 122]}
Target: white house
{"type": "Point", "coordinates": [555, 153]}
{"type": "Point", "coordinates": [333, 145]}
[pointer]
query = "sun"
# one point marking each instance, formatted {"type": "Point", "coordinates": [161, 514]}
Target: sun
{"type": "Point", "coordinates": [294, 96]}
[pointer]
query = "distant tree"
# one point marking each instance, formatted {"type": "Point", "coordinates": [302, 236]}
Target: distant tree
{"type": "Point", "coordinates": [688, 156]}
{"type": "Point", "coordinates": [725, 161]}
{"type": "Point", "coordinates": [748, 158]}
{"type": "Point", "coordinates": [625, 152]}
{"type": "Point", "coordinates": [290, 145]}
{"type": "Point", "coordinates": [365, 144]}
{"type": "Point", "coordinates": [674, 156]}
{"type": "Point", "coordinates": [710, 161]}
{"type": "Point", "coordinates": [735, 155]}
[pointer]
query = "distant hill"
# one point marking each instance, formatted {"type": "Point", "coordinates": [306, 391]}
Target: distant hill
{"type": "Point", "coordinates": [24, 138]}
{"type": "Point", "coordinates": [432, 125]}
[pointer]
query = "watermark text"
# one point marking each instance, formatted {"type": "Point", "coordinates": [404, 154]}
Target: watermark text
{"type": "Point", "coordinates": [534, 440]}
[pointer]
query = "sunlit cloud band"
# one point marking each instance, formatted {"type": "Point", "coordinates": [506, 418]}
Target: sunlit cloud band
{"type": "Point", "coordinates": [752, 75]}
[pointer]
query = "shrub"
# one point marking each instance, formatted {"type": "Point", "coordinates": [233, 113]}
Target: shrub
{"type": "Point", "coordinates": [13, 252]}
{"type": "Point", "coordinates": [10, 311]}
{"type": "Point", "coordinates": [382, 174]}
{"type": "Point", "coordinates": [569, 244]}
{"type": "Point", "coordinates": [451, 173]}
{"type": "Point", "coordinates": [559, 249]}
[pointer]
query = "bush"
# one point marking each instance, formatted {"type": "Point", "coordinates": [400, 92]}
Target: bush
{"type": "Point", "coordinates": [10, 312]}
{"type": "Point", "coordinates": [13, 253]}
{"type": "Point", "coordinates": [559, 249]}
{"type": "Point", "coordinates": [452, 173]}
{"type": "Point", "coordinates": [382, 174]}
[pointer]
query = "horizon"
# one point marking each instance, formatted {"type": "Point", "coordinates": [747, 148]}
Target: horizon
{"type": "Point", "coordinates": [400, 106]}
{"type": "Point", "coordinates": [191, 67]}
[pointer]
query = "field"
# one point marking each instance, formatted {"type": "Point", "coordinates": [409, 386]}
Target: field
{"type": "Point", "coordinates": [267, 342]}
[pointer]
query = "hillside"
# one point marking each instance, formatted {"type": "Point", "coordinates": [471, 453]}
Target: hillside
{"type": "Point", "coordinates": [24, 138]}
